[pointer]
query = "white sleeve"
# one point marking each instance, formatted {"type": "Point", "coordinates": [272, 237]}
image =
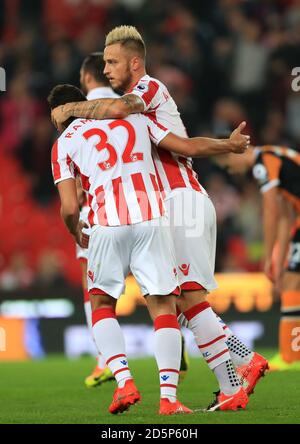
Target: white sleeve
{"type": "Point", "coordinates": [149, 92]}
{"type": "Point", "coordinates": [62, 165]}
{"type": "Point", "coordinates": [157, 132]}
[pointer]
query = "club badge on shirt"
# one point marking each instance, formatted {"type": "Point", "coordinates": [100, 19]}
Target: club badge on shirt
{"type": "Point", "coordinates": [142, 87]}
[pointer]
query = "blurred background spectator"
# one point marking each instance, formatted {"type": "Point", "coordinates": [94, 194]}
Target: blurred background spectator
{"type": "Point", "coordinates": [223, 61]}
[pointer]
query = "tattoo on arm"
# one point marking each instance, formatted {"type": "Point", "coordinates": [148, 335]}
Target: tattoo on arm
{"type": "Point", "coordinates": [91, 109]}
{"type": "Point", "coordinates": [104, 108]}
{"type": "Point", "coordinates": [134, 103]}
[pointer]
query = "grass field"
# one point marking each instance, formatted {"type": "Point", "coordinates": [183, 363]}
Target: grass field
{"type": "Point", "coordinates": [52, 391]}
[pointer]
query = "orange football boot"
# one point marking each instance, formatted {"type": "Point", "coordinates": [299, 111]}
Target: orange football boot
{"type": "Point", "coordinates": [172, 408]}
{"type": "Point", "coordinates": [124, 397]}
{"type": "Point", "coordinates": [229, 402]}
{"type": "Point", "coordinates": [251, 373]}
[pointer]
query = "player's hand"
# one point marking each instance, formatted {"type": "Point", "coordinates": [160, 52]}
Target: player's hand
{"type": "Point", "coordinates": [278, 282]}
{"type": "Point", "coordinates": [82, 239]}
{"type": "Point", "coordinates": [59, 115]}
{"type": "Point", "coordinates": [240, 142]}
{"type": "Point", "coordinates": [268, 269]}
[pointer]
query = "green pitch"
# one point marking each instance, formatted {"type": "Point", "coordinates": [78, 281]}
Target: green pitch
{"type": "Point", "coordinates": [52, 391]}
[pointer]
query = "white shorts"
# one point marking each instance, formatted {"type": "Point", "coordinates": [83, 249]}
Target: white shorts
{"type": "Point", "coordinates": [82, 253]}
{"type": "Point", "coordinates": [193, 227]}
{"type": "Point", "coordinates": [146, 249]}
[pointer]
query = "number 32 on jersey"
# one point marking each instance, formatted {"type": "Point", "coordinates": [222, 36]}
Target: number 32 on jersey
{"type": "Point", "coordinates": [128, 155]}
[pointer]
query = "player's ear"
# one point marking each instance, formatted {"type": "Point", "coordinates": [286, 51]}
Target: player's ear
{"type": "Point", "coordinates": [135, 63]}
{"type": "Point", "coordinates": [87, 78]}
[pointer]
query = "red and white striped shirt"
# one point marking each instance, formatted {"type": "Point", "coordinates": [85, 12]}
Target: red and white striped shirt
{"type": "Point", "coordinates": [100, 92]}
{"type": "Point", "coordinates": [173, 171]}
{"type": "Point", "coordinates": [113, 158]}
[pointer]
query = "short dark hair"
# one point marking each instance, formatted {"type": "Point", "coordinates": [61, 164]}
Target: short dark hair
{"type": "Point", "coordinates": [61, 94]}
{"type": "Point", "coordinates": [94, 65]}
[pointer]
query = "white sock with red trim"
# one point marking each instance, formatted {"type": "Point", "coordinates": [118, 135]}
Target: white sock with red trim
{"type": "Point", "coordinates": [208, 334]}
{"type": "Point", "coordinates": [228, 380]}
{"type": "Point", "coordinates": [211, 340]}
{"type": "Point", "coordinates": [88, 315]}
{"type": "Point", "coordinates": [110, 340]}
{"type": "Point", "coordinates": [167, 350]}
{"type": "Point", "coordinates": [239, 352]}
{"type": "Point", "coordinates": [101, 361]}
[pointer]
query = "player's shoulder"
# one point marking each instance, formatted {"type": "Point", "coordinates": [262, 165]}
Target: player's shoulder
{"type": "Point", "coordinates": [147, 82]}
{"type": "Point", "coordinates": [147, 79]}
{"type": "Point", "coordinates": [268, 159]}
{"type": "Point", "coordinates": [58, 143]}
{"type": "Point", "coordinates": [258, 169]}
{"type": "Point", "coordinates": [72, 134]}
{"type": "Point", "coordinates": [68, 138]}
{"type": "Point", "coordinates": [275, 150]}
{"type": "Point", "coordinates": [282, 151]}
{"type": "Point", "coordinates": [261, 151]}
{"type": "Point", "coordinates": [137, 120]}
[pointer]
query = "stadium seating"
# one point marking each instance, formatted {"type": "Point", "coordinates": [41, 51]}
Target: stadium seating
{"type": "Point", "coordinates": [21, 216]}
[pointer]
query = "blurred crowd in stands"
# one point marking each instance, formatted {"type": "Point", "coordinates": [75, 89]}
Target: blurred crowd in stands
{"type": "Point", "coordinates": [223, 61]}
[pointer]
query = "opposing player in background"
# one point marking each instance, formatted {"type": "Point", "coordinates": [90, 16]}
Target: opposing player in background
{"type": "Point", "coordinates": [277, 171]}
{"type": "Point", "coordinates": [124, 55]}
{"type": "Point", "coordinates": [95, 86]}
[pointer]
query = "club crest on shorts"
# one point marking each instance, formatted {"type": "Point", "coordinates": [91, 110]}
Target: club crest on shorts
{"type": "Point", "coordinates": [184, 268]}
{"type": "Point", "coordinates": [91, 275]}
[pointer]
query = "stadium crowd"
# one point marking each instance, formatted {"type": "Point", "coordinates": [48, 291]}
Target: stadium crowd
{"type": "Point", "coordinates": [223, 61]}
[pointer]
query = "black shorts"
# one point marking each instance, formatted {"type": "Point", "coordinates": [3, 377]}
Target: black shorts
{"type": "Point", "coordinates": [294, 253]}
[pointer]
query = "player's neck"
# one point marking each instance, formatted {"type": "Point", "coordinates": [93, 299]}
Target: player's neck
{"type": "Point", "coordinates": [95, 85]}
{"type": "Point", "coordinates": [135, 78]}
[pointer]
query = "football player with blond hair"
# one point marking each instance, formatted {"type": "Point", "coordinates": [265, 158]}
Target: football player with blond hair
{"type": "Point", "coordinates": [185, 198]}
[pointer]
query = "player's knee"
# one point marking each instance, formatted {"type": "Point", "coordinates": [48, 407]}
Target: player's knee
{"type": "Point", "coordinates": [161, 305]}
{"type": "Point", "coordinates": [192, 297]}
{"type": "Point", "coordinates": [101, 301]}
{"type": "Point", "coordinates": [189, 299]}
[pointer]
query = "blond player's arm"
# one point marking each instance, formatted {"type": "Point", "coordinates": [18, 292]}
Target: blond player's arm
{"type": "Point", "coordinates": [205, 146]}
{"type": "Point", "coordinates": [100, 109]}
